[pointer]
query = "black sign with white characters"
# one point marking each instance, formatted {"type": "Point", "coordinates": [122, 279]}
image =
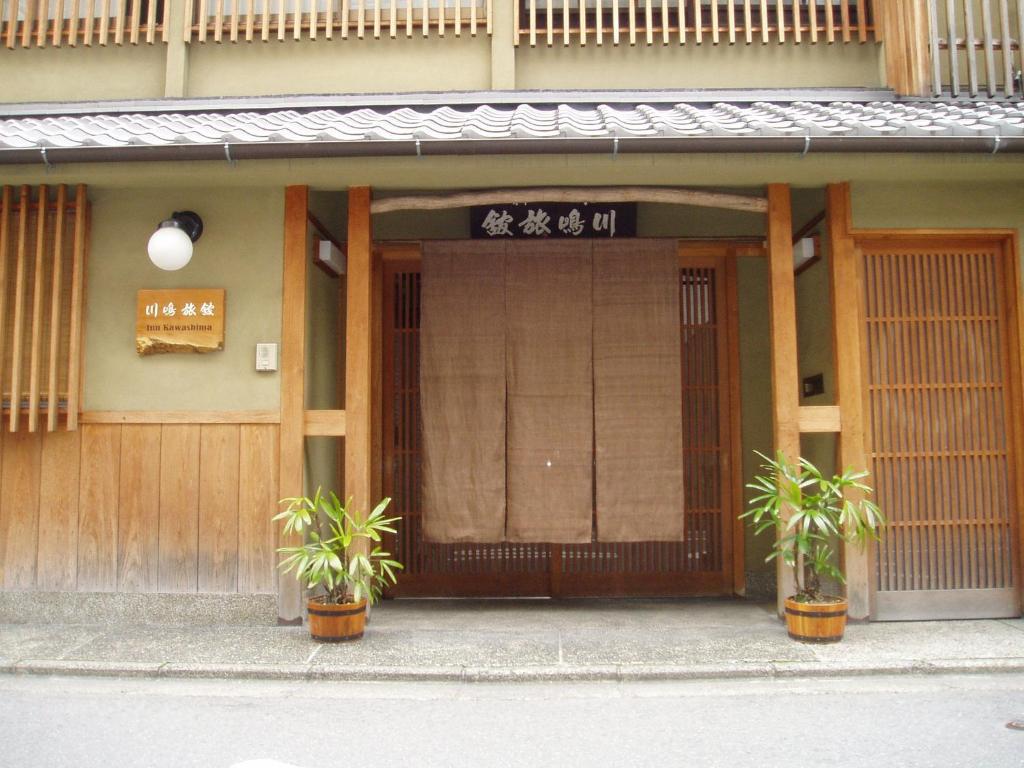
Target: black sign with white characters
{"type": "Point", "coordinates": [553, 220]}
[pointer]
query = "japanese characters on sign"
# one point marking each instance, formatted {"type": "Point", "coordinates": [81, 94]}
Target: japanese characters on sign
{"type": "Point", "coordinates": [179, 320]}
{"type": "Point", "coordinates": [553, 220]}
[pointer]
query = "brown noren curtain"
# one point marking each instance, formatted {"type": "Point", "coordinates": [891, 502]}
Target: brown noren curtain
{"type": "Point", "coordinates": [637, 385]}
{"type": "Point", "coordinates": [550, 382]}
{"type": "Point", "coordinates": [462, 391]}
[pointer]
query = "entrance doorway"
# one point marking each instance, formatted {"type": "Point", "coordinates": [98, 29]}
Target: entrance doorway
{"type": "Point", "coordinates": [701, 564]}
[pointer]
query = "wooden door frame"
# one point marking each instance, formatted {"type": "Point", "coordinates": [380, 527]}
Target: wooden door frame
{"type": "Point", "coordinates": [1007, 240]}
{"type": "Point", "coordinates": [723, 255]}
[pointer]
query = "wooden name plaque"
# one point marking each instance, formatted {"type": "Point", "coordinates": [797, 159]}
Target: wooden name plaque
{"type": "Point", "coordinates": [179, 320]}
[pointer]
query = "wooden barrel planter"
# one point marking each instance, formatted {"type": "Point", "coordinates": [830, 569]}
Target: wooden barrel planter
{"type": "Point", "coordinates": [331, 623]}
{"type": "Point", "coordinates": [816, 622]}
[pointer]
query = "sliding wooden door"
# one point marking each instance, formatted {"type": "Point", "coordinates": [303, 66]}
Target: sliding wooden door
{"type": "Point", "coordinates": [700, 564]}
{"type": "Point", "coordinates": [942, 354]}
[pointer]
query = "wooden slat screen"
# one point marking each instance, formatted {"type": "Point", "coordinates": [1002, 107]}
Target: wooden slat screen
{"type": "Point", "coordinates": [938, 385]}
{"type": "Point", "coordinates": [975, 46]}
{"type": "Point", "coordinates": [699, 564]}
{"type": "Point", "coordinates": [693, 21]}
{"type": "Point", "coordinates": [42, 23]}
{"type": "Point", "coordinates": [42, 258]}
{"type": "Point", "coordinates": [249, 20]}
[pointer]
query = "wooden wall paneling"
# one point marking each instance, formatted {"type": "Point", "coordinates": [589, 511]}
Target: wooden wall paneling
{"type": "Point", "coordinates": [179, 507]}
{"type": "Point", "coordinates": [218, 507]}
{"type": "Point", "coordinates": [19, 508]}
{"type": "Point", "coordinates": [138, 530]}
{"type": "Point", "coordinates": [58, 512]}
{"type": "Point", "coordinates": [77, 286]}
{"type": "Point", "coordinates": [293, 376]}
{"type": "Point", "coordinates": [19, 309]}
{"type": "Point", "coordinates": [1014, 323]}
{"type": "Point", "coordinates": [257, 504]}
{"type": "Point", "coordinates": [359, 354]}
{"type": "Point", "coordinates": [56, 294]}
{"type": "Point", "coordinates": [98, 508]}
{"type": "Point", "coordinates": [848, 347]}
{"type": "Point", "coordinates": [38, 281]}
{"type": "Point", "coordinates": [782, 307]}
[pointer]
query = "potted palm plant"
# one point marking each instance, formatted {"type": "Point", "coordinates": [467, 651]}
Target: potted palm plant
{"type": "Point", "coordinates": [809, 514]}
{"type": "Point", "coordinates": [340, 558]}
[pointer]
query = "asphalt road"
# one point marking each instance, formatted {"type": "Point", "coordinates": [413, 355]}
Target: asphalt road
{"type": "Point", "coordinates": [890, 721]}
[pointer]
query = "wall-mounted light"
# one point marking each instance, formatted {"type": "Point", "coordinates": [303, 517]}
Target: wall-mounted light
{"type": "Point", "coordinates": [170, 247]}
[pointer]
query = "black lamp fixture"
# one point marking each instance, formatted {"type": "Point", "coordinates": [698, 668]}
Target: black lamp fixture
{"type": "Point", "coordinates": [170, 247]}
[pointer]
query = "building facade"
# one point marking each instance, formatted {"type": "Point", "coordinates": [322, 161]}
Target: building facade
{"type": "Point", "coordinates": [838, 183]}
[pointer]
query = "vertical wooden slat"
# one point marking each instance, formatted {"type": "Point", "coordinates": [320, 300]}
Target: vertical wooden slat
{"type": "Point", "coordinates": [583, 22]}
{"type": "Point", "coordinates": [632, 21]}
{"type": "Point", "coordinates": [664, 23]}
{"type": "Point", "coordinates": [218, 508]}
{"type": "Point", "coordinates": [180, 474]}
{"type": "Point", "coordinates": [782, 303]}
{"type": "Point", "coordinates": [56, 294]}
{"type": "Point", "coordinates": [458, 18]}
{"type": "Point", "coordinates": [408, 20]}
{"type": "Point", "coordinates": [90, 19]}
{"type": "Point", "coordinates": [490, 17]}
{"type": "Point", "coordinates": [38, 280]}
{"type": "Point", "coordinates": [57, 35]}
{"type": "Point", "coordinates": [565, 21]}
{"type": "Point", "coordinates": [58, 503]}
{"type": "Point", "coordinates": [12, 21]}
{"type": "Point", "coordinates": [748, 22]}
{"type": "Point", "coordinates": [615, 22]}
{"type": "Point", "coordinates": [862, 21]}
{"type": "Point", "coordinates": [844, 17]}
{"type": "Point", "coordinates": [735, 424]}
{"type": "Point", "coordinates": [257, 504]}
{"type": "Point", "coordinates": [990, 59]}
{"type": "Point", "coordinates": [166, 23]}
{"type": "Point", "coordinates": [376, 19]}
{"type": "Point", "coordinates": [265, 21]}
{"type": "Point", "coordinates": [138, 530]}
{"type": "Point", "coordinates": [830, 22]}
{"type": "Point", "coordinates": [599, 22]}
{"type": "Point", "coordinates": [187, 27]}
{"type": "Point", "coordinates": [136, 21]}
{"type": "Point", "coordinates": [473, 19]}
{"type": "Point", "coordinates": [797, 24]}
{"type": "Point", "coordinates": [393, 19]}
{"type": "Point", "coordinates": [681, 12]}
{"type": "Point", "coordinates": [250, 21]}
{"type": "Point", "coordinates": [282, 18]}
{"type": "Point", "coordinates": [297, 20]}
{"type": "Point", "coordinates": [549, 22]}
{"type": "Point", "coordinates": [425, 19]}
{"type": "Point", "coordinates": [293, 377]}
{"type": "Point", "coordinates": [533, 23]}
{"type": "Point", "coordinates": [1007, 44]}
{"type": "Point", "coordinates": [730, 13]}
{"type": "Point", "coordinates": [98, 507]}
{"type": "Point", "coordinates": [954, 57]}
{"type": "Point", "coordinates": [698, 22]}
{"type": "Point", "coordinates": [714, 22]}
{"type": "Point", "coordinates": [649, 22]}
{"type": "Point", "coordinates": [104, 22]}
{"type": "Point", "coordinates": [361, 18]}
{"type": "Point", "coordinates": [236, 19]}
{"type": "Point", "coordinates": [203, 22]}
{"type": "Point", "coordinates": [972, 61]}
{"type": "Point", "coordinates": [442, 19]}
{"type": "Point", "coordinates": [780, 20]}
{"type": "Point", "coordinates": [5, 239]}
{"type": "Point", "coordinates": [19, 509]}
{"type": "Point", "coordinates": [120, 22]}
{"type": "Point", "coordinates": [812, 17]}
{"type": "Point", "coordinates": [75, 334]}
{"type": "Point", "coordinates": [26, 24]}
{"type": "Point", "coordinates": [19, 310]}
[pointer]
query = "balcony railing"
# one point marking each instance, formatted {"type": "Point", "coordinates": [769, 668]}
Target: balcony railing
{"type": "Point", "coordinates": [696, 21]}
{"type": "Point", "coordinates": [40, 23]}
{"type": "Point", "coordinates": [255, 20]}
{"type": "Point", "coordinates": [975, 46]}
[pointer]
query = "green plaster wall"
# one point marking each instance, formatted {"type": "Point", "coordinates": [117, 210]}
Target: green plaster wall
{"type": "Point", "coordinates": [82, 74]}
{"type": "Point", "coordinates": [240, 251]}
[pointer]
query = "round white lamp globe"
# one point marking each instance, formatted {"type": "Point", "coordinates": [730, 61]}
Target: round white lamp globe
{"type": "Point", "coordinates": [170, 247]}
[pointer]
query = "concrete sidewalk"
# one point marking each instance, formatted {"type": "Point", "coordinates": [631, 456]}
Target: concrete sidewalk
{"type": "Point", "coordinates": [530, 640]}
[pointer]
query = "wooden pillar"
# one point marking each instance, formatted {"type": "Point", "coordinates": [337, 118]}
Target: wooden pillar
{"type": "Point", "coordinates": [848, 340]}
{"type": "Point", "coordinates": [785, 376]}
{"type": "Point", "coordinates": [176, 61]}
{"type": "Point", "coordinates": [503, 51]}
{"type": "Point", "coordinates": [906, 35]}
{"type": "Point", "coordinates": [361, 361]}
{"type": "Point", "coordinates": [293, 378]}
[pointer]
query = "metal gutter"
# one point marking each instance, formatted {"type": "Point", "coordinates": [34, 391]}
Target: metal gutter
{"type": "Point", "coordinates": [799, 145]}
{"type": "Point", "coordinates": [621, 98]}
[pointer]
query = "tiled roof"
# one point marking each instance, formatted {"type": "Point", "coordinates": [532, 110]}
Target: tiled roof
{"type": "Point", "coordinates": [653, 126]}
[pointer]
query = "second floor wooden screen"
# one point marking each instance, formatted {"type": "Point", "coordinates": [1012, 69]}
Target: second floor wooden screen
{"type": "Point", "coordinates": [604, 22]}
{"type": "Point", "coordinates": [41, 23]}
{"type": "Point", "coordinates": [42, 258]}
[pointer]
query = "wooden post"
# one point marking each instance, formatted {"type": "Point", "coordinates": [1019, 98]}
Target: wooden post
{"type": "Point", "coordinates": [847, 330]}
{"type": "Point", "coordinates": [906, 41]}
{"type": "Point", "coordinates": [293, 378]}
{"type": "Point", "coordinates": [785, 377]}
{"type": "Point", "coordinates": [176, 61]}
{"type": "Point", "coordinates": [359, 354]}
{"type": "Point", "coordinates": [503, 47]}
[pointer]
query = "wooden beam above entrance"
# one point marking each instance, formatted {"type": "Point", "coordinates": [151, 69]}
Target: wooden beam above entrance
{"type": "Point", "coordinates": [748, 204]}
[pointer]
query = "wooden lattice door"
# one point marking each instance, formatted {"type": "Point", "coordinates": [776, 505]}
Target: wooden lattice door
{"type": "Point", "coordinates": [701, 564]}
{"type": "Point", "coordinates": [943, 400]}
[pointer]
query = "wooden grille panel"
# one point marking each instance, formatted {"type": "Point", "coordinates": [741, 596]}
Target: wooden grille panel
{"type": "Point", "coordinates": [42, 23]}
{"type": "Point", "coordinates": [700, 564]}
{"type": "Point", "coordinates": [938, 389]}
